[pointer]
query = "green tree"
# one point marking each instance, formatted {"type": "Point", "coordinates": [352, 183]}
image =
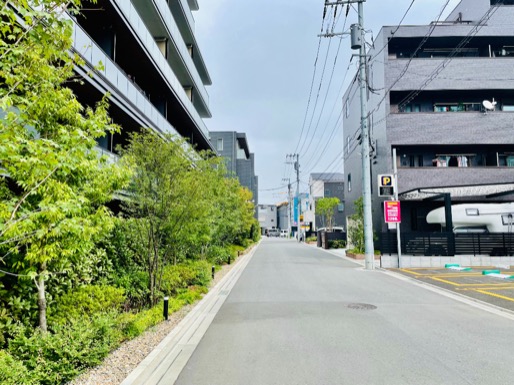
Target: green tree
{"type": "Point", "coordinates": [356, 227]}
{"type": "Point", "coordinates": [165, 209]}
{"type": "Point", "coordinates": [53, 185]}
{"type": "Point", "coordinates": [325, 207]}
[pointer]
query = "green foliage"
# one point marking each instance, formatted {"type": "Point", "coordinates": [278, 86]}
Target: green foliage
{"type": "Point", "coordinates": [336, 244]}
{"type": "Point", "coordinates": [135, 324]}
{"type": "Point", "coordinates": [312, 238]}
{"type": "Point", "coordinates": [55, 358]}
{"type": "Point", "coordinates": [87, 301]}
{"type": "Point", "coordinates": [325, 207]}
{"type": "Point", "coordinates": [219, 255]}
{"type": "Point", "coordinates": [356, 227]}
{"type": "Point", "coordinates": [13, 372]}
{"type": "Point", "coordinates": [52, 203]}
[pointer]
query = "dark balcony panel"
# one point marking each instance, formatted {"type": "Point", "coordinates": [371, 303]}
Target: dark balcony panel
{"type": "Point", "coordinates": [450, 128]}
{"type": "Point", "coordinates": [425, 178]}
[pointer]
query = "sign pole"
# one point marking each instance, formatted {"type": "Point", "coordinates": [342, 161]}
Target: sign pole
{"type": "Point", "coordinates": [398, 237]}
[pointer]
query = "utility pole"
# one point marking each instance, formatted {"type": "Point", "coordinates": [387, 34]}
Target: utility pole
{"type": "Point", "coordinates": [289, 204]}
{"type": "Point", "coordinates": [366, 168]}
{"type": "Point", "coordinates": [297, 168]}
{"type": "Point", "coordinates": [358, 42]}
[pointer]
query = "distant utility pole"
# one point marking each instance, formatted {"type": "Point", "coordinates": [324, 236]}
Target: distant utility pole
{"type": "Point", "coordinates": [289, 208]}
{"type": "Point", "coordinates": [358, 42]}
{"type": "Point", "coordinates": [297, 168]}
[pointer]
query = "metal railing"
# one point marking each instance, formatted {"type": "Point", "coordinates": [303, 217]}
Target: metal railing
{"type": "Point", "coordinates": [448, 244]}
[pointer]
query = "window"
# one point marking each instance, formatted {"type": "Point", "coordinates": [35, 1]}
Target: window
{"type": "Point", "coordinates": [347, 145]}
{"type": "Point", "coordinates": [346, 108]}
{"type": "Point", "coordinates": [349, 182]}
{"type": "Point", "coordinates": [327, 193]}
{"type": "Point", "coordinates": [502, 2]}
{"type": "Point", "coordinates": [340, 207]}
{"type": "Point", "coordinates": [219, 145]}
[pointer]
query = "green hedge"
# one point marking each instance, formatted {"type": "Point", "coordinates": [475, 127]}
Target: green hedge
{"type": "Point", "coordinates": [88, 300]}
{"type": "Point", "coordinates": [58, 357]}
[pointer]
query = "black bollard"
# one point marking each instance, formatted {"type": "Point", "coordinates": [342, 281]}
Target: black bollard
{"type": "Point", "coordinates": [166, 300]}
{"type": "Point", "coordinates": [213, 272]}
{"type": "Point", "coordinates": [229, 259]}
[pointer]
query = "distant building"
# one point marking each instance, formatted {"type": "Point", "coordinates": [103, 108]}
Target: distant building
{"type": "Point", "coordinates": [324, 185]}
{"type": "Point", "coordinates": [284, 216]}
{"type": "Point", "coordinates": [233, 146]}
{"type": "Point", "coordinates": [267, 217]}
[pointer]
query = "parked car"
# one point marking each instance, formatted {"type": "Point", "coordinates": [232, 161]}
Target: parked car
{"type": "Point", "coordinates": [284, 234]}
{"type": "Point", "coordinates": [273, 232]}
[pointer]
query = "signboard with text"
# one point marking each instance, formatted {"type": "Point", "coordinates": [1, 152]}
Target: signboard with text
{"type": "Point", "coordinates": [392, 212]}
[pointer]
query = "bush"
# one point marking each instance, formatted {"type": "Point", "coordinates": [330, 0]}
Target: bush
{"type": "Point", "coordinates": [13, 372]}
{"type": "Point", "coordinates": [135, 324]}
{"type": "Point", "coordinates": [86, 301]}
{"type": "Point", "coordinates": [55, 358]}
{"type": "Point", "coordinates": [218, 255]}
{"type": "Point", "coordinates": [336, 244]}
{"type": "Point", "coordinates": [135, 284]}
{"type": "Point", "coordinates": [311, 239]}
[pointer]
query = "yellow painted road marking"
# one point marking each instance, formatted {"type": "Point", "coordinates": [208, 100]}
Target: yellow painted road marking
{"type": "Point", "coordinates": [496, 295]}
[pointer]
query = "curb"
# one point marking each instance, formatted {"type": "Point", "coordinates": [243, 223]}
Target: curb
{"type": "Point", "coordinates": [173, 352]}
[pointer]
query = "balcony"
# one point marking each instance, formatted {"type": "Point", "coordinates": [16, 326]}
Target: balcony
{"type": "Point", "coordinates": [460, 128]}
{"type": "Point", "coordinates": [460, 74]}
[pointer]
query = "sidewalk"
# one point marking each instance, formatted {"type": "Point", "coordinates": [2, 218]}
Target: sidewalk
{"type": "Point", "coordinates": [164, 364]}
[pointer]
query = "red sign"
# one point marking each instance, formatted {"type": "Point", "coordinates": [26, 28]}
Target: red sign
{"type": "Point", "coordinates": [392, 212]}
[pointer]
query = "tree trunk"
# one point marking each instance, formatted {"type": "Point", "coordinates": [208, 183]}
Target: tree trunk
{"type": "Point", "coordinates": [41, 297]}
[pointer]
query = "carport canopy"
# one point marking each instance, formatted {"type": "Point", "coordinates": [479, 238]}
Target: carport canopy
{"type": "Point", "coordinates": [476, 191]}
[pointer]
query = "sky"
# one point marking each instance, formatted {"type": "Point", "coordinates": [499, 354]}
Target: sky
{"type": "Point", "coordinates": [276, 80]}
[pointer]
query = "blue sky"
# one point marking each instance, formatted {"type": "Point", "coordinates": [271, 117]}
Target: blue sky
{"type": "Point", "coordinates": [261, 57]}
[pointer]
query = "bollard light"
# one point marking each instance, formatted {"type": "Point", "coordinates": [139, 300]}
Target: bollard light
{"type": "Point", "coordinates": [213, 268]}
{"type": "Point", "coordinates": [229, 259]}
{"type": "Point", "coordinates": [165, 310]}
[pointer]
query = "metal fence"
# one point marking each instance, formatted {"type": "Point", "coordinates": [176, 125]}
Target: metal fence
{"type": "Point", "coordinates": [448, 244]}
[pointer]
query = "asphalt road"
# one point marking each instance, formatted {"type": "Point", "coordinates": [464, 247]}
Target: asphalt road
{"type": "Point", "coordinates": [299, 315]}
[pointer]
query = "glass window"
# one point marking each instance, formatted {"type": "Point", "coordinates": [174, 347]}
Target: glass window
{"type": "Point", "coordinates": [349, 182]}
{"type": "Point", "coordinates": [340, 207]}
{"type": "Point", "coordinates": [219, 145]}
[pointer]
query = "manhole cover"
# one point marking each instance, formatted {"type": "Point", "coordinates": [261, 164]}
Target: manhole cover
{"type": "Point", "coordinates": [361, 306]}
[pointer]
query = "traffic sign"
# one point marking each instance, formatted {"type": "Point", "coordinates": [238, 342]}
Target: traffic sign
{"type": "Point", "coordinates": [385, 185]}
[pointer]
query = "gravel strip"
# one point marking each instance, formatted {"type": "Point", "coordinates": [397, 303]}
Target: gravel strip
{"type": "Point", "coordinates": [119, 363]}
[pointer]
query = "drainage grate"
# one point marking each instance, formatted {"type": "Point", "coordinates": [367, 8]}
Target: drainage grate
{"type": "Point", "coordinates": [361, 306]}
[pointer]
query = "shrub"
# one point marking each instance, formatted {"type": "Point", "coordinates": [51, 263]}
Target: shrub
{"type": "Point", "coordinates": [218, 255]}
{"type": "Point", "coordinates": [337, 244]}
{"type": "Point", "coordinates": [311, 239]}
{"type": "Point", "coordinates": [55, 358]}
{"type": "Point", "coordinates": [87, 301]}
{"type": "Point", "coordinates": [136, 287]}
{"type": "Point", "coordinates": [135, 324]}
{"type": "Point", "coordinates": [13, 372]}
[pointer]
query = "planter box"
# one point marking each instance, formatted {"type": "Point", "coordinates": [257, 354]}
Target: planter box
{"type": "Point", "coordinates": [359, 256]}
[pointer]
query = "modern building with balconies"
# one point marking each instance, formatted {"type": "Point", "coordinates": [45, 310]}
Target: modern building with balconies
{"type": "Point", "coordinates": [144, 54]}
{"type": "Point", "coordinates": [440, 96]}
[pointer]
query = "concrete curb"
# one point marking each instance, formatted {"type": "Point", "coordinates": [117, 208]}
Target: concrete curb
{"type": "Point", "coordinates": [168, 359]}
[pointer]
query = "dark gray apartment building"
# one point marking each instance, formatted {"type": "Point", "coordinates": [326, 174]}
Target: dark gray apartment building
{"type": "Point", "coordinates": [152, 67]}
{"type": "Point", "coordinates": [233, 146]}
{"type": "Point", "coordinates": [442, 96]}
